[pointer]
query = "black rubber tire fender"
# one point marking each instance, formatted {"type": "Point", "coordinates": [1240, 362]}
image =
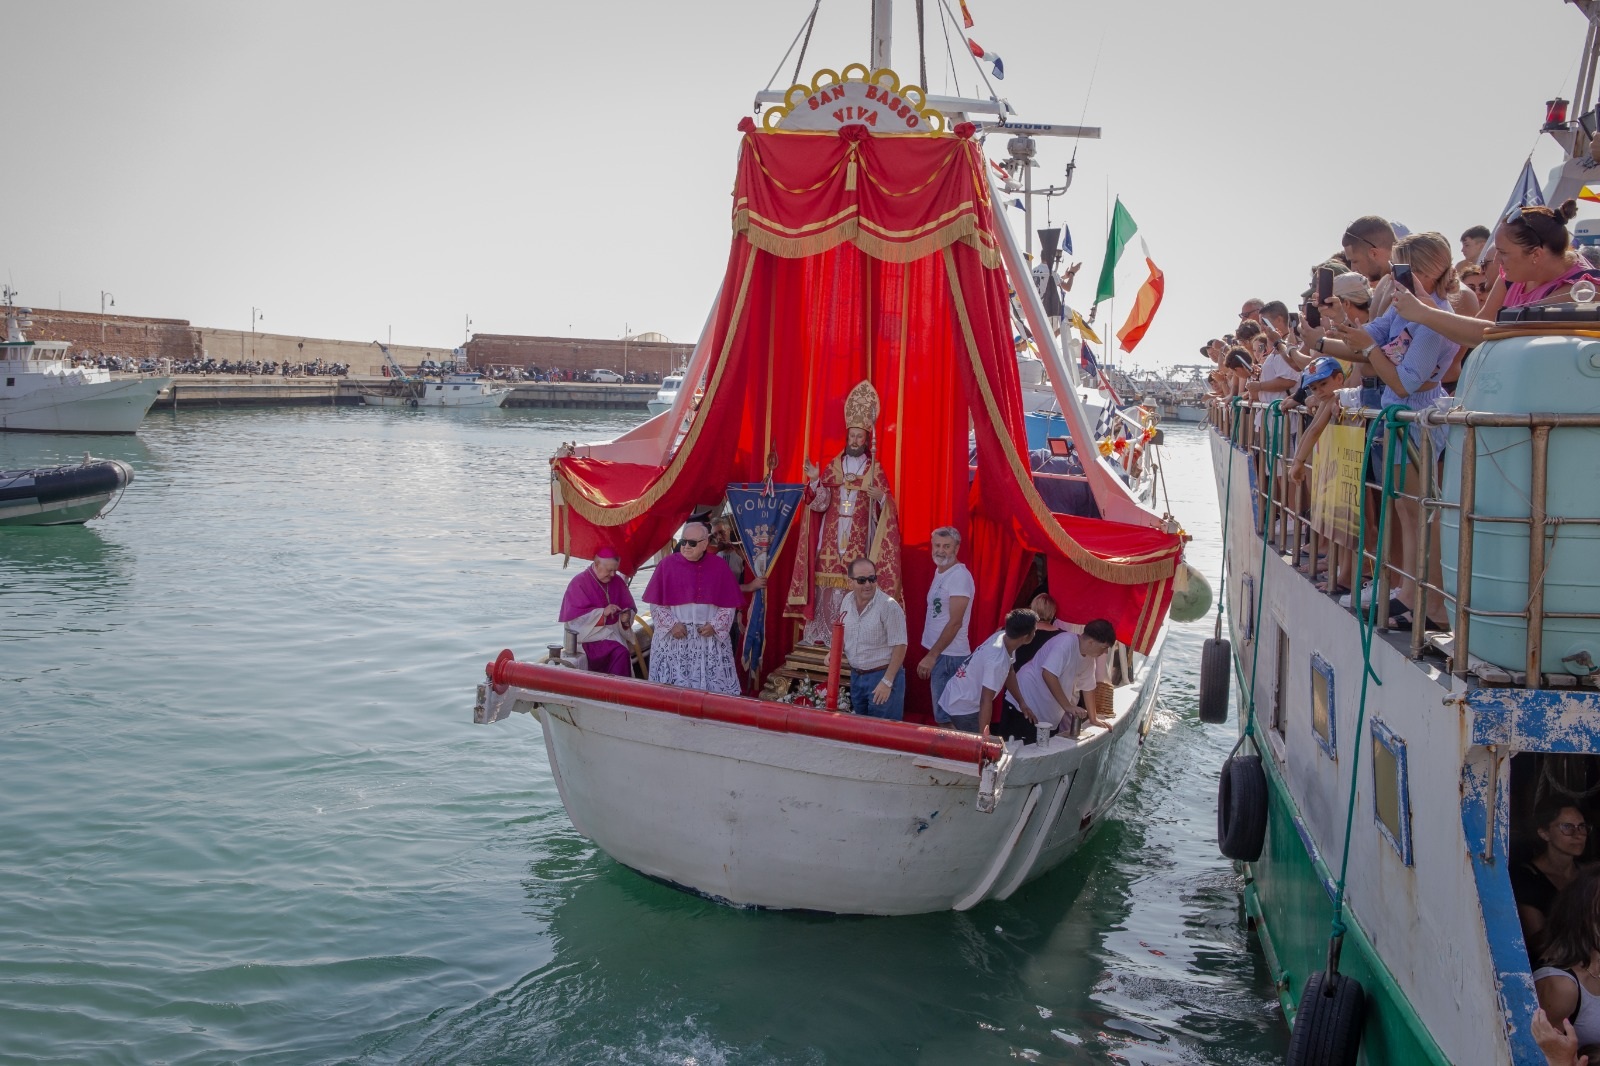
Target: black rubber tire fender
{"type": "Point", "coordinates": [1216, 668]}
{"type": "Point", "coordinates": [1242, 808]}
{"type": "Point", "coordinates": [1327, 1027]}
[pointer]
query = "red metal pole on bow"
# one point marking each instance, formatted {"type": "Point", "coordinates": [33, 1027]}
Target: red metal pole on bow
{"type": "Point", "coordinates": [835, 656]}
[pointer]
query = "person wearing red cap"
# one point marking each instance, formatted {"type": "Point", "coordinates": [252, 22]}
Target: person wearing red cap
{"type": "Point", "coordinates": [596, 609]}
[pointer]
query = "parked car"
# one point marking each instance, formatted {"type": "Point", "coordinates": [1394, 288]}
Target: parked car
{"type": "Point", "coordinates": [610, 377]}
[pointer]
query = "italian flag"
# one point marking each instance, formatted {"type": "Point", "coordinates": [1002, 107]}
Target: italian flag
{"type": "Point", "coordinates": [1144, 304]}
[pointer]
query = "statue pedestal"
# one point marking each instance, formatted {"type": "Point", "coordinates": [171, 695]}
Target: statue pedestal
{"type": "Point", "coordinates": [807, 662]}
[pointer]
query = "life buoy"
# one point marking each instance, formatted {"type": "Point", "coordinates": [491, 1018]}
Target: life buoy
{"type": "Point", "coordinates": [1216, 665]}
{"type": "Point", "coordinates": [1327, 1027]}
{"type": "Point", "coordinates": [1242, 808]}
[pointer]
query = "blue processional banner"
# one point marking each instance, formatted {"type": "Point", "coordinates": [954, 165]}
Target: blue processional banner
{"type": "Point", "coordinates": [762, 515]}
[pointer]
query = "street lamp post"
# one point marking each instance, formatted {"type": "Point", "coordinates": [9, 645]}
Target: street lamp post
{"type": "Point", "coordinates": [255, 316]}
{"type": "Point", "coordinates": [104, 298]}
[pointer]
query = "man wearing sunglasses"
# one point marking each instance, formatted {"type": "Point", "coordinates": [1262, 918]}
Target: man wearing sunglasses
{"type": "Point", "coordinates": [874, 645]}
{"type": "Point", "coordinates": [693, 598]}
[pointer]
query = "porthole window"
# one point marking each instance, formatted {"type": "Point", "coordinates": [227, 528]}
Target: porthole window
{"type": "Point", "coordinates": [1391, 791]}
{"type": "Point", "coordinates": [1324, 719]}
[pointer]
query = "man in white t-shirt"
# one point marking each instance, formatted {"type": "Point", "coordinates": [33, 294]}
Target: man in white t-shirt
{"type": "Point", "coordinates": [1061, 676]}
{"type": "Point", "coordinates": [944, 631]}
{"type": "Point", "coordinates": [1278, 376]}
{"type": "Point", "coordinates": [968, 699]}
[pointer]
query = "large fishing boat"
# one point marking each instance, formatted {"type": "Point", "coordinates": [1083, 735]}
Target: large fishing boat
{"type": "Point", "coordinates": [42, 391]}
{"type": "Point", "coordinates": [866, 259]}
{"type": "Point", "coordinates": [1384, 782]}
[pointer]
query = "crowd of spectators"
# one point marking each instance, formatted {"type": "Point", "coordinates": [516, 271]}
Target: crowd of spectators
{"type": "Point", "coordinates": [1390, 319]}
{"type": "Point", "coordinates": [127, 364]}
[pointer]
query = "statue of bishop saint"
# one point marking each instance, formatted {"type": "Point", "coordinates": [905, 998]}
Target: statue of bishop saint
{"type": "Point", "coordinates": [850, 502]}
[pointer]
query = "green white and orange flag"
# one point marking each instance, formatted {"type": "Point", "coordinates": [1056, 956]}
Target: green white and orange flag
{"type": "Point", "coordinates": [1144, 304]}
{"type": "Point", "coordinates": [1123, 227]}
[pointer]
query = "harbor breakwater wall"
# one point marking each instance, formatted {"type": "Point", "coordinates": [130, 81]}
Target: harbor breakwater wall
{"type": "Point", "coordinates": [177, 339]}
{"type": "Point", "coordinates": [196, 391]}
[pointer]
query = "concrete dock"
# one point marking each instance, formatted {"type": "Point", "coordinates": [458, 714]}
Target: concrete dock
{"type": "Point", "coordinates": [194, 390]}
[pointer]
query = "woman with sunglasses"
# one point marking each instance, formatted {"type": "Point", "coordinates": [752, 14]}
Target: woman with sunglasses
{"type": "Point", "coordinates": [1564, 834]}
{"type": "Point", "coordinates": [1537, 265]}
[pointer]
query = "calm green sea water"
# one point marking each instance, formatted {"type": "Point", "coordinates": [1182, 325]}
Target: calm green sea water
{"type": "Point", "coordinates": [244, 816]}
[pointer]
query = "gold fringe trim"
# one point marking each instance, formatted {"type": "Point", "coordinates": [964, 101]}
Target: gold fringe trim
{"type": "Point", "coordinates": [605, 515]}
{"type": "Point", "coordinates": [1114, 571]}
{"type": "Point", "coordinates": [966, 229]}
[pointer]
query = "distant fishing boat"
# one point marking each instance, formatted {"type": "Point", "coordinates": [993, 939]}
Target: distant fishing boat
{"type": "Point", "coordinates": [448, 389]}
{"type": "Point", "coordinates": [62, 495]}
{"type": "Point", "coordinates": [42, 392]}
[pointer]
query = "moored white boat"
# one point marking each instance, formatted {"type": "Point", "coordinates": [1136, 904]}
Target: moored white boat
{"type": "Point", "coordinates": [667, 395]}
{"type": "Point", "coordinates": [459, 389]}
{"type": "Point", "coordinates": [41, 391]}
{"type": "Point", "coordinates": [452, 390]}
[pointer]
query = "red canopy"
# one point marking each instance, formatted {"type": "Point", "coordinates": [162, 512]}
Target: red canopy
{"type": "Point", "coordinates": [859, 256]}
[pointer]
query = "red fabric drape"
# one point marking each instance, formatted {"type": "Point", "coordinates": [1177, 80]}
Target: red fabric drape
{"type": "Point", "coordinates": [872, 258]}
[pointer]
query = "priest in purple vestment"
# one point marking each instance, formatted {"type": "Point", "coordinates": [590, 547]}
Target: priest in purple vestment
{"type": "Point", "coordinates": [596, 609]}
{"type": "Point", "coordinates": [693, 598]}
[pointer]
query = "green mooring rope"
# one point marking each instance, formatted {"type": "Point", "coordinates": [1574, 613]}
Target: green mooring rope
{"type": "Point", "coordinates": [1273, 416]}
{"type": "Point", "coordinates": [1227, 509]}
{"type": "Point", "coordinates": [1367, 620]}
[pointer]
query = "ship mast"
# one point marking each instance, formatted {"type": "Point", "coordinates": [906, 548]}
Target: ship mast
{"type": "Point", "coordinates": [882, 33]}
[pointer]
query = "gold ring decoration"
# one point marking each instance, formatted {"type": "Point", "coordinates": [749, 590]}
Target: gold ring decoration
{"type": "Point", "coordinates": [879, 93]}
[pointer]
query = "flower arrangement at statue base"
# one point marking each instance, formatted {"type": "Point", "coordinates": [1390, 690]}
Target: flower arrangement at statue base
{"type": "Point", "coordinates": [805, 693]}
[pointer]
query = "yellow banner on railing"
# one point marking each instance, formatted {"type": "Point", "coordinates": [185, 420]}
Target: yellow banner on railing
{"type": "Point", "coordinates": [1336, 483]}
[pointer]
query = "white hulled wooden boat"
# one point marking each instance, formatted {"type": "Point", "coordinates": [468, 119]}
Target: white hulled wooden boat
{"type": "Point", "coordinates": [767, 804]}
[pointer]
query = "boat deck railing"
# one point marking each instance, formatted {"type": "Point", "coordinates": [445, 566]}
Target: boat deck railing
{"type": "Point", "coordinates": [1285, 509]}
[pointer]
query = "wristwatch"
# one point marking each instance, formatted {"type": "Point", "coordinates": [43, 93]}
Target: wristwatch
{"type": "Point", "coordinates": [1319, 343]}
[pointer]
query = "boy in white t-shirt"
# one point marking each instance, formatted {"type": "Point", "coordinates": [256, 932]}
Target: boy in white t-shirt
{"type": "Point", "coordinates": [944, 631]}
{"type": "Point", "coordinates": [968, 698]}
{"type": "Point", "coordinates": [1059, 678]}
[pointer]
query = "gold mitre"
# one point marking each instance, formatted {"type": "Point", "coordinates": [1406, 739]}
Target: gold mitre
{"type": "Point", "coordinates": [861, 407]}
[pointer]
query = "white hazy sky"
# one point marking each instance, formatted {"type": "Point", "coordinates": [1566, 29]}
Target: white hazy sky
{"type": "Point", "coordinates": [564, 168]}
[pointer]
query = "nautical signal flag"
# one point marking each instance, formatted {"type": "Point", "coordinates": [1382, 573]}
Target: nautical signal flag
{"type": "Point", "coordinates": [1145, 303]}
{"type": "Point", "coordinates": [1083, 328]}
{"type": "Point", "coordinates": [1590, 193]}
{"type": "Point", "coordinates": [966, 16]}
{"type": "Point", "coordinates": [988, 57]}
{"type": "Point", "coordinates": [1086, 361]}
{"type": "Point", "coordinates": [1123, 227]}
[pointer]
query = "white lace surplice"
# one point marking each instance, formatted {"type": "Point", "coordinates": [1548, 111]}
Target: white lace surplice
{"type": "Point", "coordinates": [694, 661]}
